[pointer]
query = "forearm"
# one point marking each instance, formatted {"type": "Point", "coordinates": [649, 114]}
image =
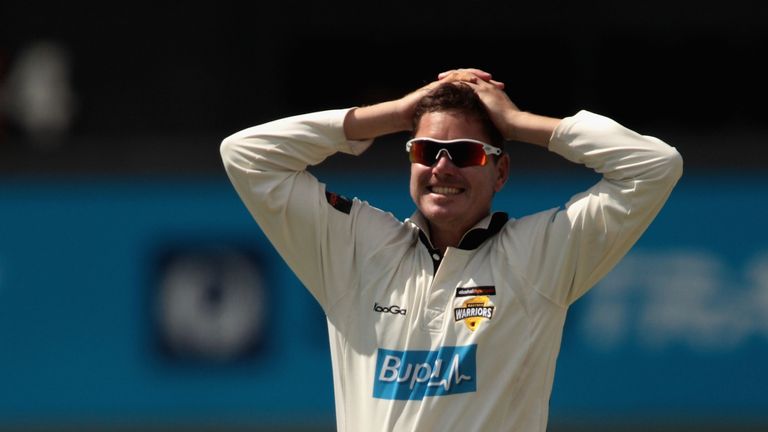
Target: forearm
{"type": "Point", "coordinates": [530, 128]}
{"type": "Point", "coordinates": [369, 122]}
{"type": "Point", "coordinates": [512, 123]}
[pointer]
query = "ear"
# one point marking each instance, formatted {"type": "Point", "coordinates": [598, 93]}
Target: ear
{"type": "Point", "coordinates": [502, 172]}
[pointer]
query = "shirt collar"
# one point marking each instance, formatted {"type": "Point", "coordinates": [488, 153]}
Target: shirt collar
{"type": "Point", "coordinates": [484, 229]}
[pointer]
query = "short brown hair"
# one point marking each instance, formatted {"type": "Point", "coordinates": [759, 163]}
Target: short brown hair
{"type": "Point", "coordinates": [459, 98]}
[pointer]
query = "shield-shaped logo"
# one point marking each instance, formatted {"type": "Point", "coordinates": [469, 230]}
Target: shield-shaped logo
{"type": "Point", "coordinates": [473, 311]}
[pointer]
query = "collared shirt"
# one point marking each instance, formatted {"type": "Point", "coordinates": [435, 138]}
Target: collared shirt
{"type": "Point", "coordinates": [467, 340]}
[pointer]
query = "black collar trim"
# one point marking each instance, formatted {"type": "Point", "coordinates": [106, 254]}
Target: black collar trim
{"type": "Point", "coordinates": [473, 238]}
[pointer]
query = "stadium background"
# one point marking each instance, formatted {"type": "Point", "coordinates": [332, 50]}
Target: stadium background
{"type": "Point", "coordinates": [137, 293]}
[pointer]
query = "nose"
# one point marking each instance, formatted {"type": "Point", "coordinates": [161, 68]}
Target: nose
{"type": "Point", "coordinates": [444, 163]}
{"type": "Point", "coordinates": [443, 152]}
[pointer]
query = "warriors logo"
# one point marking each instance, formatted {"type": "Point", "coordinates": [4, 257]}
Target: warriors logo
{"type": "Point", "coordinates": [473, 311]}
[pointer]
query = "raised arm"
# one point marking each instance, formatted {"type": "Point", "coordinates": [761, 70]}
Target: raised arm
{"type": "Point", "coordinates": [573, 248]}
{"type": "Point", "coordinates": [568, 250]}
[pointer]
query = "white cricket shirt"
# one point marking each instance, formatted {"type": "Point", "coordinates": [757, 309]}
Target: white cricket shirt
{"type": "Point", "coordinates": [467, 341]}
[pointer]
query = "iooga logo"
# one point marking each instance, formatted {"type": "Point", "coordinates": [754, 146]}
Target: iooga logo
{"type": "Point", "coordinates": [394, 309]}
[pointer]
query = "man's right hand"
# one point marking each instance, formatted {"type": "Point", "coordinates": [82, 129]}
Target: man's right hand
{"type": "Point", "coordinates": [469, 75]}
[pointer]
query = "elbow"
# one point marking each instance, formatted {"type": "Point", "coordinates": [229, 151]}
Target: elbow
{"type": "Point", "coordinates": [228, 150]}
{"type": "Point", "coordinates": [225, 148]}
{"type": "Point", "coordinates": [664, 166]}
{"type": "Point", "coordinates": [674, 163]}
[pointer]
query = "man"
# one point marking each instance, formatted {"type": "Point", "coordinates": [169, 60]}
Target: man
{"type": "Point", "coordinates": [451, 319]}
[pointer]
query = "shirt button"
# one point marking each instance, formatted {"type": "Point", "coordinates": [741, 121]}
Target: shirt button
{"type": "Point", "coordinates": [436, 257]}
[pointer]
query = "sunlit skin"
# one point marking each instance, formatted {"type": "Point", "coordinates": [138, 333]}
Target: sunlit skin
{"type": "Point", "coordinates": [454, 199]}
{"type": "Point", "coordinates": [452, 212]}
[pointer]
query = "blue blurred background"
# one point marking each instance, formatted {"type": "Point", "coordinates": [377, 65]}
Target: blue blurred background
{"type": "Point", "coordinates": [136, 293]}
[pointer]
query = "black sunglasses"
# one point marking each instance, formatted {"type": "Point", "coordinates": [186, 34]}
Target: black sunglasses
{"type": "Point", "coordinates": [463, 152]}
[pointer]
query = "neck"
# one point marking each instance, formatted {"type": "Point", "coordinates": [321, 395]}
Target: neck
{"type": "Point", "coordinates": [444, 237]}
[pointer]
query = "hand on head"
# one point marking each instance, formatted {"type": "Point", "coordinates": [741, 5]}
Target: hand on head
{"type": "Point", "coordinates": [490, 91]}
{"type": "Point", "coordinates": [468, 75]}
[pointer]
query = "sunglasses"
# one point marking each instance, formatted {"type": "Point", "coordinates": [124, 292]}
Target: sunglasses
{"type": "Point", "coordinates": [463, 152]}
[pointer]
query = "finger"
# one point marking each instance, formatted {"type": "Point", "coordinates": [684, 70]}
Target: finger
{"type": "Point", "coordinates": [483, 75]}
{"type": "Point", "coordinates": [459, 75]}
{"type": "Point", "coordinates": [485, 87]}
{"type": "Point", "coordinates": [499, 85]}
{"type": "Point", "coordinates": [442, 75]}
{"type": "Point", "coordinates": [472, 76]}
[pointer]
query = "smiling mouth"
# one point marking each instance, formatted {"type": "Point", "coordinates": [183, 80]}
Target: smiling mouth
{"type": "Point", "coordinates": [442, 190]}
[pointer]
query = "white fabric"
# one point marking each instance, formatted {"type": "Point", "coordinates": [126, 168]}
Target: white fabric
{"type": "Point", "coordinates": [415, 350]}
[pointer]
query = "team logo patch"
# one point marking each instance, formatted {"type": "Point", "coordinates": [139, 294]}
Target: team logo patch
{"type": "Point", "coordinates": [473, 311]}
{"type": "Point", "coordinates": [339, 202]}
{"type": "Point", "coordinates": [414, 375]}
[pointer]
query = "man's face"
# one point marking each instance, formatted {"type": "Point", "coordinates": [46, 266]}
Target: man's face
{"type": "Point", "coordinates": [448, 196]}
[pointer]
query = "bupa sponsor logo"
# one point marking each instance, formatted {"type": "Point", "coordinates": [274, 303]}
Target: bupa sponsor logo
{"type": "Point", "coordinates": [414, 375]}
{"type": "Point", "coordinates": [394, 309]}
{"type": "Point", "coordinates": [473, 311]}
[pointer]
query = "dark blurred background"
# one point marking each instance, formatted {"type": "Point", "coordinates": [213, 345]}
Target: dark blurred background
{"type": "Point", "coordinates": [155, 87]}
{"type": "Point", "coordinates": [136, 292]}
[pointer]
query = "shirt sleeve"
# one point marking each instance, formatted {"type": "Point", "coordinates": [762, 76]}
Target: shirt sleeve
{"type": "Point", "coordinates": [569, 250]}
{"type": "Point", "coordinates": [313, 230]}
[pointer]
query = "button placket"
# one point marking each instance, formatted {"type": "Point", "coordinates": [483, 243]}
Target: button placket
{"type": "Point", "coordinates": [442, 289]}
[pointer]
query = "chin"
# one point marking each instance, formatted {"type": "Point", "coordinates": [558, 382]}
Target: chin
{"type": "Point", "coordinates": [440, 215]}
